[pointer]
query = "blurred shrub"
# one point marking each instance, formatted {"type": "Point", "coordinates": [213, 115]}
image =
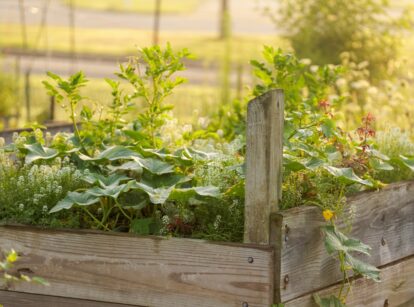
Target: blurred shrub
{"type": "Point", "coordinates": [322, 29]}
{"type": "Point", "coordinates": [7, 94]}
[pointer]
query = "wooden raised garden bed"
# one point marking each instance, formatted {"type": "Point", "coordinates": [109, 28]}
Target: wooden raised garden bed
{"type": "Point", "coordinates": [283, 259]}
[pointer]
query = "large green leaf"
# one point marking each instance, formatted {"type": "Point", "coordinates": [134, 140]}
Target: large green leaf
{"type": "Point", "coordinates": [408, 162]}
{"type": "Point", "coordinates": [157, 196]}
{"type": "Point", "coordinates": [380, 165]}
{"type": "Point", "coordinates": [38, 152]}
{"type": "Point", "coordinates": [184, 195]}
{"type": "Point", "coordinates": [331, 301]}
{"type": "Point", "coordinates": [112, 191]}
{"type": "Point", "coordinates": [104, 181]}
{"type": "Point", "coordinates": [112, 153]}
{"type": "Point", "coordinates": [293, 163]}
{"type": "Point", "coordinates": [337, 241]}
{"type": "Point", "coordinates": [347, 175]}
{"type": "Point", "coordinates": [365, 269]}
{"type": "Point", "coordinates": [155, 166]}
{"type": "Point", "coordinates": [166, 181]}
{"type": "Point", "coordinates": [129, 166]}
{"type": "Point", "coordinates": [75, 198]}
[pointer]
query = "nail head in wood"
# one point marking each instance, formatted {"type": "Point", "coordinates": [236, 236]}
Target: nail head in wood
{"type": "Point", "coordinates": [250, 260]}
{"type": "Point", "coordinates": [245, 304]}
{"type": "Point", "coordinates": [285, 281]}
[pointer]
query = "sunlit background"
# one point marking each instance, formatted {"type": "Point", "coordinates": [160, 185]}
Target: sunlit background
{"type": "Point", "coordinates": [64, 36]}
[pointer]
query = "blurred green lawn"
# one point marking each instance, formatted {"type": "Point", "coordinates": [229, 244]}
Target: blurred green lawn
{"type": "Point", "coordinates": [138, 6]}
{"type": "Point", "coordinates": [207, 47]}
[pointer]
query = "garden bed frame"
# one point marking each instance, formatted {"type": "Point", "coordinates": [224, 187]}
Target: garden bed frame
{"type": "Point", "coordinates": [283, 258]}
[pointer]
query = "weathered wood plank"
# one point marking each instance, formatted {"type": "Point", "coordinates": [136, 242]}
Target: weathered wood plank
{"type": "Point", "coordinates": [383, 219]}
{"type": "Point", "coordinates": [145, 271]}
{"type": "Point", "coordinates": [19, 299]}
{"type": "Point", "coordinates": [395, 289]}
{"type": "Point", "coordinates": [263, 164]}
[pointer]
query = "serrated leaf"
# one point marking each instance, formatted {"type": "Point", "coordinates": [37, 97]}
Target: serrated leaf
{"type": "Point", "coordinates": [365, 269]}
{"type": "Point", "coordinates": [75, 198]}
{"type": "Point", "coordinates": [337, 241]}
{"type": "Point", "coordinates": [38, 152]}
{"type": "Point", "coordinates": [348, 175]}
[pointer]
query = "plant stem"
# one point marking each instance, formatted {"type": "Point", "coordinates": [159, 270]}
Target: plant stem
{"type": "Point", "coordinates": [95, 219]}
{"type": "Point", "coordinates": [122, 211]}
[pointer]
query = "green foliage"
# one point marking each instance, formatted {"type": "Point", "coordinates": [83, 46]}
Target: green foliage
{"type": "Point", "coordinates": [321, 30]}
{"type": "Point", "coordinates": [39, 187]}
{"type": "Point", "coordinates": [396, 145]}
{"type": "Point", "coordinates": [8, 278]}
{"type": "Point", "coordinates": [153, 85]}
{"type": "Point", "coordinates": [7, 94]}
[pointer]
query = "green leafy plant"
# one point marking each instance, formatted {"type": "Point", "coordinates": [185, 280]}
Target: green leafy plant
{"type": "Point", "coordinates": [321, 30]}
{"type": "Point", "coordinates": [7, 278]}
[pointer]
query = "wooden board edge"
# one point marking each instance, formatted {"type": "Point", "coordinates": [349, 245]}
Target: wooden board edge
{"type": "Point", "coordinates": [18, 299]}
{"type": "Point", "coordinates": [393, 280]}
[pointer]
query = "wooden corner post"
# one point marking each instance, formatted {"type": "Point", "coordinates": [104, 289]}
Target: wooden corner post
{"type": "Point", "coordinates": [263, 164]}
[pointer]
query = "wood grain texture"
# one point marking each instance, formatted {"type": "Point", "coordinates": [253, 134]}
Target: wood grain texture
{"type": "Point", "coordinates": [146, 271]}
{"type": "Point", "coordinates": [383, 219]}
{"type": "Point", "coordinates": [263, 164]}
{"type": "Point", "coordinates": [395, 289]}
{"type": "Point", "coordinates": [19, 299]}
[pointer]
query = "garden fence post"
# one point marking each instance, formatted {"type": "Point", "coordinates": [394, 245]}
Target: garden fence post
{"type": "Point", "coordinates": [263, 164]}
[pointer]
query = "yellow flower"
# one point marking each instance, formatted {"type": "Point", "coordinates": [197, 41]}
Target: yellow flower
{"type": "Point", "coordinates": [327, 214]}
{"type": "Point", "coordinates": [12, 256]}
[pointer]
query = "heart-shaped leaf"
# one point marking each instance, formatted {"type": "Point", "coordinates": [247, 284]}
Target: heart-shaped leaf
{"type": "Point", "coordinates": [112, 153]}
{"type": "Point", "coordinates": [38, 152]}
{"type": "Point", "coordinates": [75, 198]}
{"type": "Point", "coordinates": [104, 181]}
{"type": "Point", "coordinates": [157, 196]}
{"type": "Point", "coordinates": [347, 175]}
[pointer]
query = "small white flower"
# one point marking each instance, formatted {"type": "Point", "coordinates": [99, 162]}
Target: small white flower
{"type": "Point", "coordinates": [314, 68]}
{"type": "Point", "coordinates": [21, 207]}
{"type": "Point", "coordinates": [306, 61]}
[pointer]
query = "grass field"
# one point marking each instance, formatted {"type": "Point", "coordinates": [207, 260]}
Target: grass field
{"type": "Point", "coordinates": [138, 6]}
{"type": "Point", "coordinates": [205, 47]}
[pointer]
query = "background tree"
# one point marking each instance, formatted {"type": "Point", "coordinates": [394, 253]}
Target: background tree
{"type": "Point", "coordinates": [322, 29]}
